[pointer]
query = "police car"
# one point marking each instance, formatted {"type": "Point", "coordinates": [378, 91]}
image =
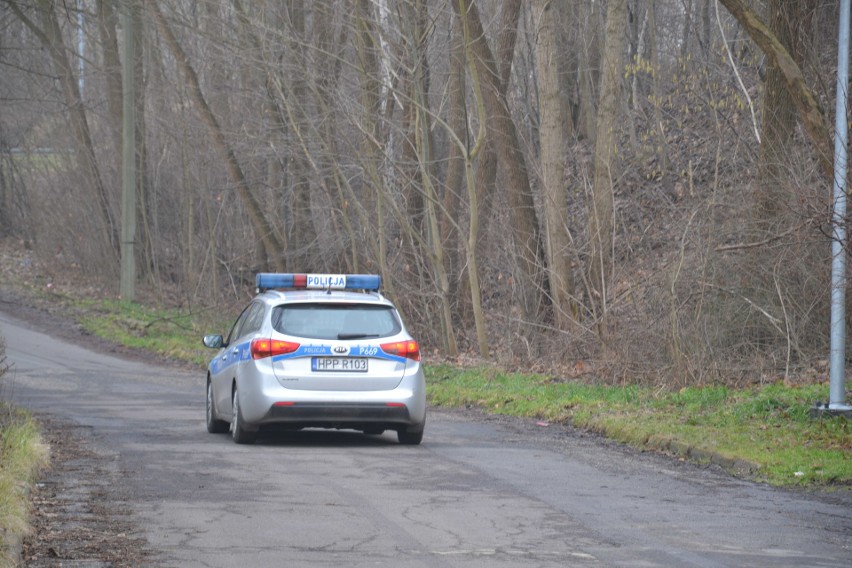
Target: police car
{"type": "Point", "coordinates": [316, 351]}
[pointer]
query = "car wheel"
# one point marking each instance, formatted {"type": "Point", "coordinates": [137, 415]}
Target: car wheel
{"type": "Point", "coordinates": [214, 425]}
{"type": "Point", "coordinates": [409, 438]}
{"type": "Point", "coordinates": [238, 432]}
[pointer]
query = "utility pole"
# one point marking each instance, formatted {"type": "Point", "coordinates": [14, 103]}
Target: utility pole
{"type": "Point", "coordinates": [837, 359]}
{"type": "Point", "coordinates": [127, 287]}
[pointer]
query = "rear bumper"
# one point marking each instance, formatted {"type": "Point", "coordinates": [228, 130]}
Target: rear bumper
{"type": "Point", "coordinates": [341, 414]}
{"type": "Point", "coordinates": [265, 402]}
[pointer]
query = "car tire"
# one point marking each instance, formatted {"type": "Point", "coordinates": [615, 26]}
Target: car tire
{"type": "Point", "coordinates": [238, 432]}
{"type": "Point", "coordinates": [409, 438]}
{"type": "Point", "coordinates": [214, 425]}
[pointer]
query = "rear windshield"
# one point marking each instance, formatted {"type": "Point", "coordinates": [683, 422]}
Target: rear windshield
{"type": "Point", "coordinates": [335, 321]}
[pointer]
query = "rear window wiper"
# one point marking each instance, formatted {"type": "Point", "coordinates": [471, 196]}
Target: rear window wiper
{"type": "Point", "coordinates": [356, 335]}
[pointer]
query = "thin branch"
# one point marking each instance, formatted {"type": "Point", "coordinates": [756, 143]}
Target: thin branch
{"type": "Point", "coordinates": [737, 74]}
{"type": "Point", "coordinates": [772, 239]}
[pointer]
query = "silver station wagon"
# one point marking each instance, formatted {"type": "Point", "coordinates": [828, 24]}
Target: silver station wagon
{"type": "Point", "coordinates": [316, 351]}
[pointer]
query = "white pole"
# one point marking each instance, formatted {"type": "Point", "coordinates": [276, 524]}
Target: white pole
{"type": "Point", "coordinates": [837, 372]}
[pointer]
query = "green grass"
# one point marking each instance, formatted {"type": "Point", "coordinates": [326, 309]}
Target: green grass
{"type": "Point", "coordinates": [767, 428]}
{"type": "Point", "coordinates": [22, 456]}
{"type": "Point", "coordinates": [169, 333]}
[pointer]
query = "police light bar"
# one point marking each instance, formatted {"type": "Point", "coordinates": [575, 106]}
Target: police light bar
{"type": "Point", "coordinates": [269, 280]}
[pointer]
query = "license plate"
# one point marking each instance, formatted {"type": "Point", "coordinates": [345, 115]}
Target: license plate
{"type": "Point", "coordinates": [342, 364]}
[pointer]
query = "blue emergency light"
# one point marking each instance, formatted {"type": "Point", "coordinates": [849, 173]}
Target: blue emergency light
{"type": "Point", "coordinates": [269, 280]}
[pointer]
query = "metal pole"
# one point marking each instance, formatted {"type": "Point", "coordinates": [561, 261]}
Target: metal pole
{"type": "Point", "coordinates": [127, 286]}
{"type": "Point", "coordinates": [837, 373]}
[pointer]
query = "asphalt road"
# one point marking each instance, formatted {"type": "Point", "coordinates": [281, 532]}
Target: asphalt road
{"type": "Point", "coordinates": [478, 492]}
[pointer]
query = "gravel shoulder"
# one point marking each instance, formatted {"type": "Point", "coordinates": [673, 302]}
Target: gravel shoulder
{"type": "Point", "coordinates": [78, 514]}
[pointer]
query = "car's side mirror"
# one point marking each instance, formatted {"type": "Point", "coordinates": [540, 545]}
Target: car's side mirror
{"type": "Point", "coordinates": [213, 341]}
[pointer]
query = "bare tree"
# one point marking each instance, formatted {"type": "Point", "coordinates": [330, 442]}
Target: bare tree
{"type": "Point", "coordinates": [601, 206]}
{"type": "Point", "coordinates": [50, 34]}
{"type": "Point", "coordinates": [525, 228]}
{"type": "Point", "coordinates": [786, 19]}
{"type": "Point", "coordinates": [555, 125]}
{"type": "Point", "coordinates": [454, 182]}
{"type": "Point", "coordinates": [262, 229]}
{"type": "Point", "coordinates": [470, 153]}
{"type": "Point", "coordinates": [803, 97]}
{"type": "Point", "coordinates": [397, 137]}
{"type": "Point", "coordinates": [301, 233]}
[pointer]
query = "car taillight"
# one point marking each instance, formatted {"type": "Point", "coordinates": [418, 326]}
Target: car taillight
{"type": "Point", "coordinates": [261, 348]}
{"type": "Point", "coordinates": [408, 349]}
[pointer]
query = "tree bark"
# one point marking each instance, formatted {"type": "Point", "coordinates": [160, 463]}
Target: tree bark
{"type": "Point", "coordinates": [485, 172]}
{"type": "Point", "coordinates": [806, 102]}
{"type": "Point", "coordinates": [424, 150]}
{"type": "Point", "coordinates": [50, 36]}
{"type": "Point", "coordinates": [525, 230]}
{"type": "Point", "coordinates": [107, 21]}
{"type": "Point", "coordinates": [601, 207]}
{"type": "Point", "coordinates": [469, 155]}
{"type": "Point", "coordinates": [301, 233]}
{"type": "Point", "coordinates": [778, 116]}
{"type": "Point", "coordinates": [412, 186]}
{"type": "Point", "coordinates": [261, 227]}
{"type": "Point", "coordinates": [368, 51]}
{"type": "Point", "coordinates": [660, 144]}
{"type": "Point", "coordinates": [454, 184]}
{"type": "Point", "coordinates": [554, 125]}
{"type": "Point", "coordinates": [588, 73]}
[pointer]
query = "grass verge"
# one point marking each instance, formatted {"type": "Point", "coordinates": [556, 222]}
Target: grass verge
{"type": "Point", "coordinates": [768, 427]}
{"type": "Point", "coordinates": [22, 456]}
{"type": "Point", "coordinates": [169, 333]}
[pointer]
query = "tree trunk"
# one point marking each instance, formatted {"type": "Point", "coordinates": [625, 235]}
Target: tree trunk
{"type": "Point", "coordinates": [454, 184]}
{"type": "Point", "coordinates": [261, 227]}
{"type": "Point", "coordinates": [485, 172]}
{"type": "Point", "coordinates": [525, 230]}
{"type": "Point", "coordinates": [601, 207]}
{"type": "Point", "coordinates": [660, 144]}
{"type": "Point", "coordinates": [147, 214]}
{"type": "Point", "coordinates": [368, 50]}
{"type": "Point", "coordinates": [555, 124]}
{"type": "Point", "coordinates": [302, 233]}
{"type": "Point", "coordinates": [779, 116]}
{"type": "Point", "coordinates": [325, 83]}
{"type": "Point", "coordinates": [469, 155]}
{"type": "Point", "coordinates": [588, 71]}
{"type": "Point", "coordinates": [107, 21]}
{"type": "Point", "coordinates": [686, 34]}
{"type": "Point", "coordinates": [706, 38]}
{"type": "Point", "coordinates": [411, 186]}
{"type": "Point", "coordinates": [424, 150]}
{"type": "Point", "coordinates": [803, 97]}
{"type": "Point", "coordinates": [50, 35]}
{"type": "Point", "coordinates": [510, 13]}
